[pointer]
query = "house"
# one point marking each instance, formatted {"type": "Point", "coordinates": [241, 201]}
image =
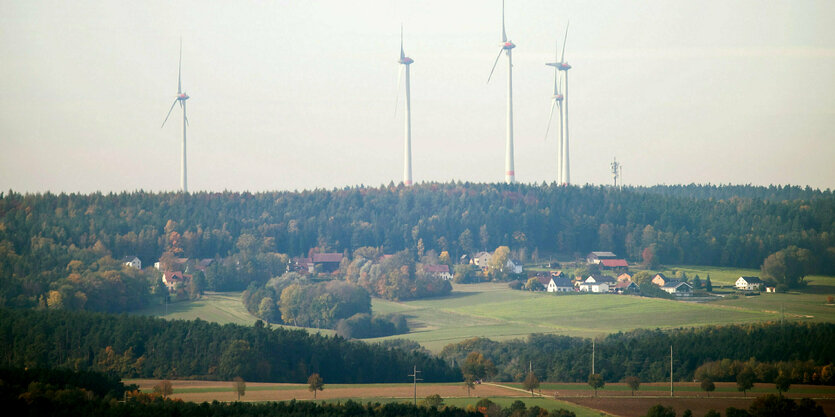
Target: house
{"type": "Point", "coordinates": [624, 277]}
{"type": "Point", "coordinates": [327, 262]}
{"type": "Point", "coordinates": [614, 263]}
{"type": "Point", "coordinates": [481, 259]}
{"type": "Point", "coordinates": [513, 266]}
{"type": "Point", "coordinates": [678, 288]}
{"type": "Point", "coordinates": [626, 287]}
{"type": "Point", "coordinates": [559, 284]}
{"type": "Point", "coordinates": [132, 261]}
{"type": "Point", "coordinates": [596, 257]}
{"type": "Point", "coordinates": [771, 289]}
{"type": "Point", "coordinates": [597, 279]}
{"type": "Point", "coordinates": [174, 280]}
{"type": "Point", "coordinates": [660, 280]}
{"type": "Point", "coordinates": [748, 283]}
{"type": "Point", "coordinates": [438, 271]}
{"type": "Point", "coordinates": [594, 287]}
{"type": "Point", "coordinates": [558, 274]}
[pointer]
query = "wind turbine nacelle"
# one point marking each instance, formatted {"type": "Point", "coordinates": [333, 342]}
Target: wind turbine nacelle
{"type": "Point", "coordinates": [558, 97]}
{"type": "Point", "coordinates": [563, 66]}
{"type": "Point", "coordinates": [182, 96]}
{"type": "Point", "coordinates": [508, 45]}
{"type": "Point", "coordinates": [406, 60]}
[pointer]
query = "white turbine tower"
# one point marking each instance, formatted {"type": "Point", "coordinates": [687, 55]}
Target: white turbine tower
{"type": "Point", "coordinates": [407, 151]}
{"type": "Point", "coordinates": [181, 98]}
{"type": "Point", "coordinates": [556, 101]}
{"type": "Point", "coordinates": [507, 47]}
{"type": "Point", "coordinates": [564, 67]}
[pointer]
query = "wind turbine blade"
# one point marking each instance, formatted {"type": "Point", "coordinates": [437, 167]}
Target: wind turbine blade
{"type": "Point", "coordinates": [504, 35]}
{"type": "Point", "coordinates": [397, 95]}
{"type": "Point", "coordinates": [169, 112]}
{"type": "Point", "coordinates": [494, 64]}
{"type": "Point", "coordinates": [179, 69]}
{"type": "Point", "coordinates": [550, 117]}
{"type": "Point", "coordinates": [564, 40]}
{"type": "Point", "coordinates": [402, 54]}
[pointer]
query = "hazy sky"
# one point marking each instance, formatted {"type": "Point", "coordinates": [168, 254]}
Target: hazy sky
{"type": "Point", "coordinates": [290, 95]}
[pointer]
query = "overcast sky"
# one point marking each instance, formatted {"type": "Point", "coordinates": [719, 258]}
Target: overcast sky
{"type": "Point", "coordinates": [291, 95]}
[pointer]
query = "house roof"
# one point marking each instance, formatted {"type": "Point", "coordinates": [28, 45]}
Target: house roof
{"type": "Point", "coordinates": [600, 278]}
{"type": "Point", "coordinates": [752, 280]}
{"type": "Point", "coordinates": [624, 277]}
{"type": "Point", "coordinates": [129, 258]}
{"type": "Point", "coordinates": [327, 257]}
{"type": "Point", "coordinates": [557, 274]}
{"type": "Point", "coordinates": [625, 284]}
{"type": "Point", "coordinates": [675, 284]}
{"type": "Point", "coordinates": [515, 261]}
{"type": "Point", "coordinates": [562, 282]}
{"type": "Point", "coordinates": [436, 269]}
{"type": "Point", "coordinates": [544, 280]}
{"type": "Point", "coordinates": [612, 263]}
{"type": "Point", "coordinates": [603, 254]}
{"type": "Point", "coordinates": [480, 254]}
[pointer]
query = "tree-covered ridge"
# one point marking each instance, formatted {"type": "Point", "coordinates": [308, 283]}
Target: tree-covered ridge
{"type": "Point", "coordinates": [137, 346]}
{"type": "Point", "coordinates": [646, 353]}
{"type": "Point", "coordinates": [40, 234]}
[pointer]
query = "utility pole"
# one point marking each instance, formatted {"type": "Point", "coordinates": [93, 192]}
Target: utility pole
{"type": "Point", "coordinates": [592, 356]}
{"type": "Point", "coordinates": [414, 375]}
{"type": "Point", "coordinates": [671, 370]}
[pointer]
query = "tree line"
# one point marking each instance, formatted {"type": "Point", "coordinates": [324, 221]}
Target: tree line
{"type": "Point", "coordinates": [801, 349]}
{"type": "Point", "coordinates": [146, 347]}
{"type": "Point", "coordinates": [250, 236]}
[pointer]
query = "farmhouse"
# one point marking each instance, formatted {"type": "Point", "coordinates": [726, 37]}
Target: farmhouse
{"type": "Point", "coordinates": [626, 287]}
{"type": "Point", "coordinates": [326, 262]}
{"type": "Point", "coordinates": [481, 259]}
{"type": "Point", "coordinates": [594, 287]}
{"type": "Point", "coordinates": [438, 271]}
{"type": "Point", "coordinates": [614, 263]}
{"type": "Point", "coordinates": [624, 277]}
{"type": "Point", "coordinates": [559, 284]}
{"type": "Point", "coordinates": [596, 257]}
{"type": "Point", "coordinates": [514, 266]}
{"type": "Point", "coordinates": [173, 280]}
{"type": "Point", "coordinates": [678, 288]}
{"type": "Point", "coordinates": [598, 279]}
{"type": "Point", "coordinates": [748, 283]}
{"type": "Point", "coordinates": [132, 261]}
{"type": "Point", "coordinates": [660, 280]}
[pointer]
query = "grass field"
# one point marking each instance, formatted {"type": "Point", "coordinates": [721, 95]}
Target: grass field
{"type": "Point", "coordinates": [494, 311]}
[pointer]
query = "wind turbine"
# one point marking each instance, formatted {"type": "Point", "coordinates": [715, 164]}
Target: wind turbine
{"type": "Point", "coordinates": [407, 153]}
{"type": "Point", "coordinates": [507, 47]}
{"type": "Point", "coordinates": [556, 101]}
{"type": "Point", "coordinates": [181, 98]}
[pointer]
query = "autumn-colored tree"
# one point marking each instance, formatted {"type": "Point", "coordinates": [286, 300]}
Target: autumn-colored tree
{"type": "Point", "coordinates": [530, 383]}
{"type": "Point", "coordinates": [596, 382]}
{"type": "Point", "coordinates": [164, 388]}
{"type": "Point", "coordinates": [240, 387]}
{"type": "Point", "coordinates": [634, 383]}
{"type": "Point", "coordinates": [315, 383]}
{"type": "Point", "coordinates": [708, 386]}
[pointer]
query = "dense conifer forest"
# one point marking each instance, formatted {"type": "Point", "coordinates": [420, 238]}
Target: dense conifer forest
{"type": "Point", "coordinates": [59, 250]}
{"type": "Point", "coordinates": [803, 351]}
{"type": "Point", "coordinates": [137, 346]}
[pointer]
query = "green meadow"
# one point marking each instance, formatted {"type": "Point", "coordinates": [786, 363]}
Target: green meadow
{"type": "Point", "coordinates": [494, 311]}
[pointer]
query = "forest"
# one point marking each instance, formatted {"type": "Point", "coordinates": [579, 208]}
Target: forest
{"type": "Point", "coordinates": [58, 250]}
{"type": "Point", "coordinates": [145, 347]}
{"type": "Point", "coordinates": [803, 350]}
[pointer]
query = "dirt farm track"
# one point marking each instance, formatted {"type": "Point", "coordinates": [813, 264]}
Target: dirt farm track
{"type": "Point", "coordinates": [615, 399]}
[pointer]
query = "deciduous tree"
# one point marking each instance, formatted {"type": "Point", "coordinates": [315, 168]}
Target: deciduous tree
{"type": "Point", "coordinates": [315, 383]}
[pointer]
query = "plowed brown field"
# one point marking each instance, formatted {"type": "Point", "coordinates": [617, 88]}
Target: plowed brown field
{"type": "Point", "coordinates": [200, 391]}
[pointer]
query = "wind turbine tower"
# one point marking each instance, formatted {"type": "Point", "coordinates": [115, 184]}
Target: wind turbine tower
{"type": "Point", "coordinates": [563, 66]}
{"type": "Point", "coordinates": [617, 168]}
{"type": "Point", "coordinates": [181, 98]}
{"type": "Point", "coordinates": [507, 48]}
{"type": "Point", "coordinates": [556, 102]}
{"type": "Point", "coordinates": [407, 152]}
